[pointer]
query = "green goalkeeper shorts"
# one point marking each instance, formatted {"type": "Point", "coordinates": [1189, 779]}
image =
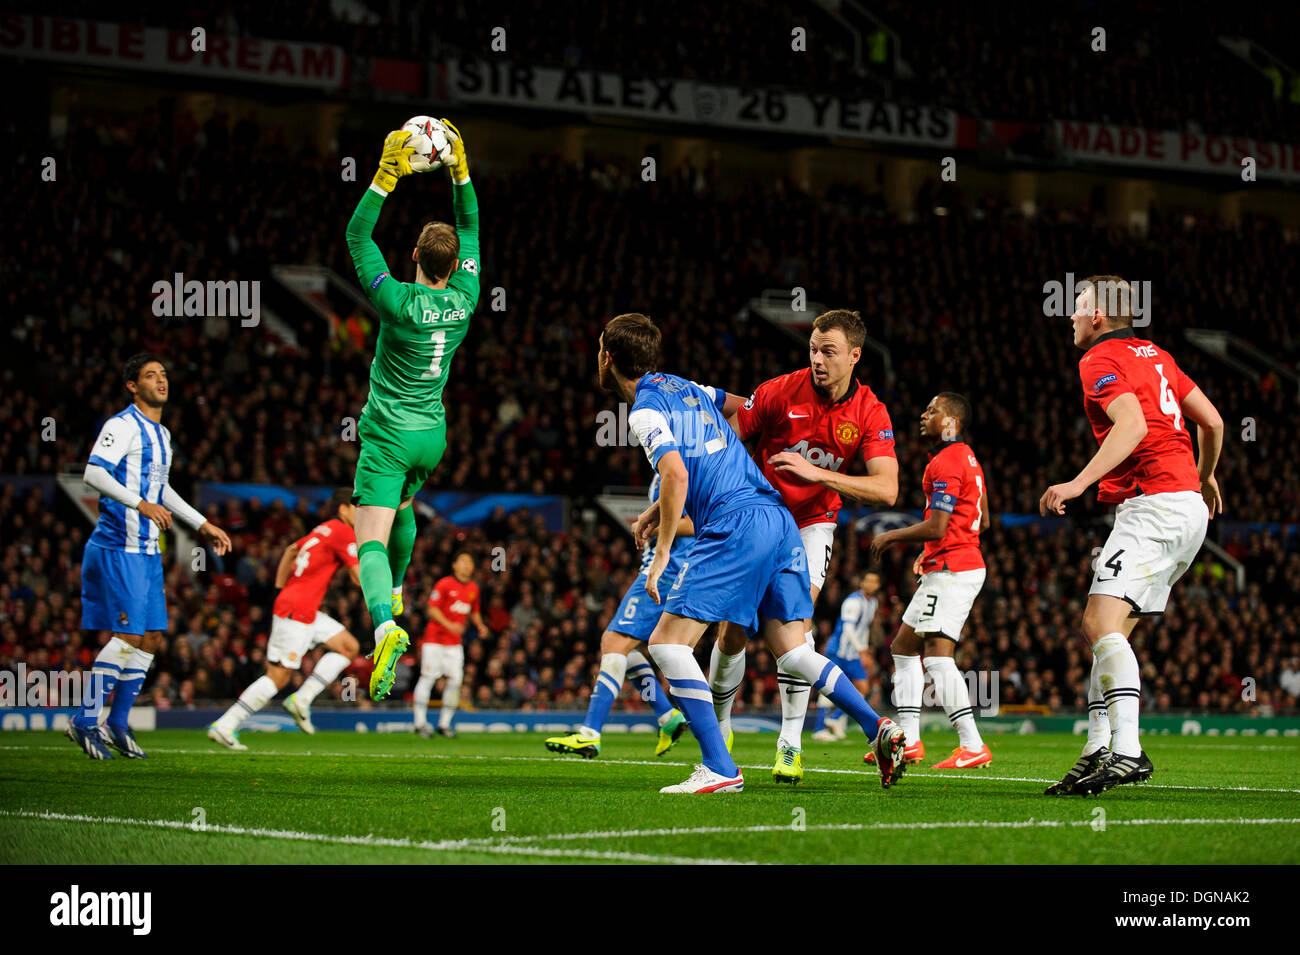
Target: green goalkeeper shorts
{"type": "Point", "coordinates": [394, 464]}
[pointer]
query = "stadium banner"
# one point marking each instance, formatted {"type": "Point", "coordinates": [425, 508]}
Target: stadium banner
{"type": "Point", "coordinates": [56, 718]}
{"type": "Point", "coordinates": [766, 110]}
{"type": "Point", "coordinates": [135, 47]}
{"type": "Point", "coordinates": [1173, 151]}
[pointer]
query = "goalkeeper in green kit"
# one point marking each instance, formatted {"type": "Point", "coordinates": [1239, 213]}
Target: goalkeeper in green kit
{"type": "Point", "coordinates": [403, 427]}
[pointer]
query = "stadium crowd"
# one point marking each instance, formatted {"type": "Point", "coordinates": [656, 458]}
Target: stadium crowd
{"type": "Point", "coordinates": [957, 298]}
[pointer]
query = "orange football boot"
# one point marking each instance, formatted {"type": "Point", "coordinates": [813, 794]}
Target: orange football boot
{"type": "Point", "coordinates": [963, 758]}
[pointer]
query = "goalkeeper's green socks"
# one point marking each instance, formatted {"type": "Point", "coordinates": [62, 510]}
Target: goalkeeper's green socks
{"type": "Point", "coordinates": [377, 582]}
{"type": "Point", "coordinates": [401, 541]}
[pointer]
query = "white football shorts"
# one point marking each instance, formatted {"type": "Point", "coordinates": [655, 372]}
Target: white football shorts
{"type": "Point", "coordinates": [1155, 539]}
{"type": "Point", "coordinates": [292, 639]}
{"type": "Point", "coordinates": [817, 541]}
{"type": "Point", "coordinates": [943, 600]}
{"type": "Point", "coordinates": [438, 660]}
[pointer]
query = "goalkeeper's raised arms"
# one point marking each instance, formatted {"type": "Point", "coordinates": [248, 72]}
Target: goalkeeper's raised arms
{"type": "Point", "coordinates": [395, 161]}
{"type": "Point", "coordinates": [459, 164]}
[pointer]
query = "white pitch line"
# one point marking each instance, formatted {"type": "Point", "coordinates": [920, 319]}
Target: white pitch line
{"type": "Point", "coordinates": [501, 846]}
{"type": "Point", "coordinates": [971, 776]}
{"type": "Point", "coordinates": [527, 845]}
{"type": "Point", "coordinates": [892, 826]}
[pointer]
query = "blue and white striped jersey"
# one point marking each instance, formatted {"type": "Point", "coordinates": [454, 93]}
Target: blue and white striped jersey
{"type": "Point", "coordinates": [854, 627]}
{"type": "Point", "coordinates": [137, 452]}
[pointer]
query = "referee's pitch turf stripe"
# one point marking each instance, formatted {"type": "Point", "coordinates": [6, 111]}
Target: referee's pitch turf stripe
{"type": "Point", "coordinates": [975, 775]}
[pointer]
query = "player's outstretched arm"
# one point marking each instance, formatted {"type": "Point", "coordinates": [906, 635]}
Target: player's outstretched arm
{"type": "Point", "coordinates": [1125, 434]}
{"type": "Point", "coordinates": [648, 524]}
{"type": "Point", "coordinates": [464, 204]}
{"type": "Point", "coordinates": [878, 486]}
{"type": "Point", "coordinates": [931, 529]}
{"type": "Point", "coordinates": [1209, 443]}
{"type": "Point", "coordinates": [673, 482]}
{"type": "Point", "coordinates": [191, 517]}
{"type": "Point", "coordinates": [372, 270]}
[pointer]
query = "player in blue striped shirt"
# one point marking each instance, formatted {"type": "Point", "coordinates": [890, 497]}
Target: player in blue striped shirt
{"type": "Point", "coordinates": [847, 648]}
{"type": "Point", "coordinates": [121, 569]}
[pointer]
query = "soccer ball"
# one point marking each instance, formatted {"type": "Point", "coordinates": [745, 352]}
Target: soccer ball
{"type": "Point", "coordinates": [432, 142]}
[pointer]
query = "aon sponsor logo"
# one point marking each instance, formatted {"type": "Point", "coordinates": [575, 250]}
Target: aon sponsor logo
{"type": "Point", "coordinates": [460, 606]}
{"type": "Point", "coordinates": [819, 457]}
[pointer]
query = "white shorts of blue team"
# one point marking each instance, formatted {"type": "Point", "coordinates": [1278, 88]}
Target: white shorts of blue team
{"type": "Point", "coordinates": [817, 542]}
{"type": "Point", "coordinates": [943, 600]}
{"type": "Point", "coordinates": [291, 640]}
{"type": "Point", "coordinates": [1155, 539]}
{"type": "Point", "coordinates": [438, 660]}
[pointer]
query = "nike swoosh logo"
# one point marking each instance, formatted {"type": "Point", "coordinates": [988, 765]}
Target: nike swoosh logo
{"type": "Point", "coordinates": [963, 763]}
{"type": "Point", "coordinates": [793, 415]}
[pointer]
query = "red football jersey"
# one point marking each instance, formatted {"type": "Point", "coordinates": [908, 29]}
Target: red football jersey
{"type": "Point", "coordinates": [954, 482]}
{"type": "Point", "coordinates": [1120, 363]}
{"type": "Point", "coordinates": [788, 414]}
{"type": "Point", "coordinates": [328, 547]}
{"type": "Point", "coordinates": [456, 601]}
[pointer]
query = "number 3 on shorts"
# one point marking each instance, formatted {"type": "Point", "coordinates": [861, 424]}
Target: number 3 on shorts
{"type": "Point", "coordinates": [934, 599]}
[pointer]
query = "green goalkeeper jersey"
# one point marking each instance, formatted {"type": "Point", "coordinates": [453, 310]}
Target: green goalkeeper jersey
{"type": "Point", "coordinates": [420, 328]}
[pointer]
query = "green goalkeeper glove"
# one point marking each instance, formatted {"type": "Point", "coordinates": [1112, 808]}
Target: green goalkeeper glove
{"type": "Point", "coordinates": [395, 161]}
{"type": "Point", "coordinates": [459, 164]}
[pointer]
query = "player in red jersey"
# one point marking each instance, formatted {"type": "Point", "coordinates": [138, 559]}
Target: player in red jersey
{"type": "Point", "coordinates": [1139, 402]}
{"type": "Point", "coordinates": [808, 425]}
{"type": "Point", "coordinates": [298, 625]}
{"type": "Point", "coordinates": [952, 573]}
{"type": "Point", "coordinates": [454, 600]}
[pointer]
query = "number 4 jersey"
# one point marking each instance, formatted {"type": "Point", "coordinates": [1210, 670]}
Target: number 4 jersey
{"type": "Point", "coordinates": [1120, 363]}
{"type": "Point", "coordinates": [328, 547]}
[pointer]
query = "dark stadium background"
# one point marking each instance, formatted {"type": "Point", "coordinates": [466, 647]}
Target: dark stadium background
{"type": "Point", "coordinates": [223, 175]}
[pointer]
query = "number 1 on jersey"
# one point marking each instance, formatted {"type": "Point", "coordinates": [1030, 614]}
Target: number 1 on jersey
{"type": "Point", "coordinates": [439, 340]}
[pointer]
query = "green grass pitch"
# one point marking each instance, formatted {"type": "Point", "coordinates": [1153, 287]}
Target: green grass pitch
{"type": "Point", "coordinates": [357, 798]}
